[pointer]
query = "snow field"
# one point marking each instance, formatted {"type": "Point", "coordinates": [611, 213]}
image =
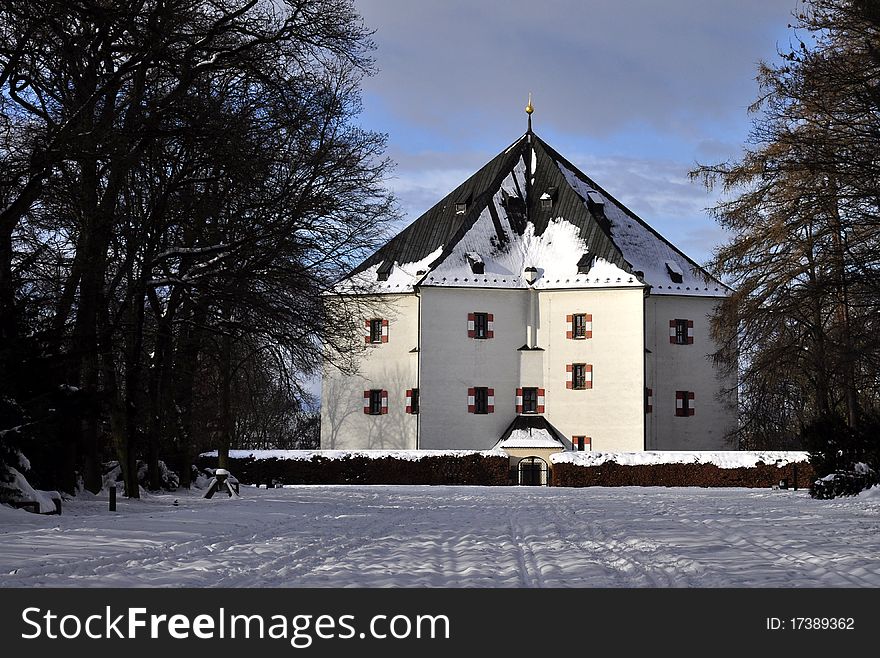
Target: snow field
{"type": "Point", "coordinates": [420, 536]}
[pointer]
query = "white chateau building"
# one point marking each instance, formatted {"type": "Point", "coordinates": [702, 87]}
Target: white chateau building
{"type": "Point", "coordinates": [529, 310]}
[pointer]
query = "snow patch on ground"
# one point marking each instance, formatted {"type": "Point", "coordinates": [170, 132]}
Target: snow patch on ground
{"type": "Point", "coordinates": [722, 459]}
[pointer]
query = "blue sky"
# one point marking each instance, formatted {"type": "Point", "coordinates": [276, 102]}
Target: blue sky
{"type": "Point", "coordinates": [634, 92]}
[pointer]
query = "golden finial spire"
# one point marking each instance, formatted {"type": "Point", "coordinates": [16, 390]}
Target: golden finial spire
{"type": "Point", "coordinates": [529, 110]}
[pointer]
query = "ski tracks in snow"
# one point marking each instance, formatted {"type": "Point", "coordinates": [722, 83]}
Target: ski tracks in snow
{"type": "Point", "coordinates": [405, 536]}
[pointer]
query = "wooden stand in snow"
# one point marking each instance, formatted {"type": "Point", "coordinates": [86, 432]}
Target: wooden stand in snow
{"type": "Point", "coordinates": [222, 481]}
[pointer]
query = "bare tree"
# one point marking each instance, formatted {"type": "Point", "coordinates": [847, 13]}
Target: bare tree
{"type": "Point", "coordinates": [186, 179]}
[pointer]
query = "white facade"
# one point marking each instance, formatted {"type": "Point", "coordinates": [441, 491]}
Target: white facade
{"type": "Point", "coordinates": [629, 350]}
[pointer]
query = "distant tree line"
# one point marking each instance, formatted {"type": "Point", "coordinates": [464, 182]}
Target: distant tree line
{"type": "Point", "coordinates": [179, 181]}
{"type": "Point", "coordinates": [803, 208]}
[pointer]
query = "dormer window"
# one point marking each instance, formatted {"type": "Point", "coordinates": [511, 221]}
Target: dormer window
{"type": "Point", "coordinates": [674, 271]}
{"type": "Point", "coordinates": [584, 264]}
{"type": "Point", "coordinates": [546, 201]}
{"type": "Point", "coordinates": [384, 271]}
{"type": "Point", "coordinates": [476, 262]}
{"type": "Point", "coordinates": [461, 208]}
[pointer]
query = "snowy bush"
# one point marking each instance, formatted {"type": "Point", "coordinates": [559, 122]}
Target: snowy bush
{"type": "Point", "coordinates": [844, 483]}
{"type": "Point", "coordinates": [15, 488]}
{"type": "Point", "coordinates": [846, 460]}
{"type": "Point", "coordinates": [113, 473]}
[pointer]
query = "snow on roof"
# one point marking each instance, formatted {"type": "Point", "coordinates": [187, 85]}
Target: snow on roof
{"type": "Point", "coordinates": [530, 438]}
{"type": "Point", "coordinates": [401, 278]}
{"type": "Point", "coordinates": [722, 459]}
{"type": "Point", "coordinates": [644, 249]}
{"type": "Point", "coordinates": [556, 253]}
{"type": "Point", "coordinates": [309, 455]}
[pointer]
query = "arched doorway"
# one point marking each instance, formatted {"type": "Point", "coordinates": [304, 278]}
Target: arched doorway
{"type": "Point", "coordinates": [532, 472]}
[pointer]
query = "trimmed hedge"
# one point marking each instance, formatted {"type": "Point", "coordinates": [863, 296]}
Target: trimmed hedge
{"type": "Point", "coordinates": [612, 474]}
{"type": "Point", "coordinates": [446, 469]}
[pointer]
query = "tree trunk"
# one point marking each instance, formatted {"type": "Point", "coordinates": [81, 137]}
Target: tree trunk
{"type": "Point", "coordinates": [8, 323]}
{"type": "Point", "coordinates": [848, 356]}
{"type": "Point", "coordinates": [225, 405]}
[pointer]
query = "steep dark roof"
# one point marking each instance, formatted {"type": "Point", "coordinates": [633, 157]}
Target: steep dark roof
{"type": "Point", "coordinates": [496, 206]}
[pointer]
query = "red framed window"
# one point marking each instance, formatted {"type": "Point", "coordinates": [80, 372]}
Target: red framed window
{"type": "Point", "coordinates": [681, 332]}
{"type": "Point", "coordinates": [481, 325]}
{"type": "Point", "coordinates": [481, 400]}
{"type": "Point", "coordinates": [684, 403]}
{"type": "Point", "coordinates": [529, 400]}
{"type": "Point", "coordinates": [580, 326]}
{"type": "Point", "coordinates": [579, 376]}
{"type": "Point", "coordinates": [375, 402]}
{"type": "Point", "coordinates": [412, 400]}
{"type": "Point", "coordinates": [581, 443]}
{"type": "Point", "coordinates": [377, 330]}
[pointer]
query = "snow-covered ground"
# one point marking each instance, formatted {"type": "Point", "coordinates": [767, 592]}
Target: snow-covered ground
{"type": "Point", "coordinates": [450, 536]}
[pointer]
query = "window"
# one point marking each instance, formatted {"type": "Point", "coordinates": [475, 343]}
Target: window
{"type": "Point", "coordinates": [481, 400]}
{"type": "Point", "coordinates": [649, 400]}
{"type": "Point", "coordinates": [375, 331]}
{"type": "Point", "coordinates": [579, 376]}
{"type": "Point", "coordinates": [674, 271]}
{"type": "Point", "coordinates": [684, 403]}
{"type": "Point", "coordinates": [681, 332]}
{"type": "Point", "coordinates": [375, 402]}
{"type": "Point", "coordinates": [378, 330]}
{"type": "Point", "coordinates": [478, 266]}
{"type": "Point", "coordinates": [585, 264]}
{"type": "Point", "coordinates": [530, 400]}
{"type": "Point", "coordinates": [460, 208]}
{"type": "Point", "coordinates": [581, 443]}
{"type": "Point", "coordinates": [412, 401]}
{"type": "Point", "coordinates": [384, 270]}
{"type": "Point", "coordinates": [481, 325]}
{"type": "Point", "coordinates": [580, 326]}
